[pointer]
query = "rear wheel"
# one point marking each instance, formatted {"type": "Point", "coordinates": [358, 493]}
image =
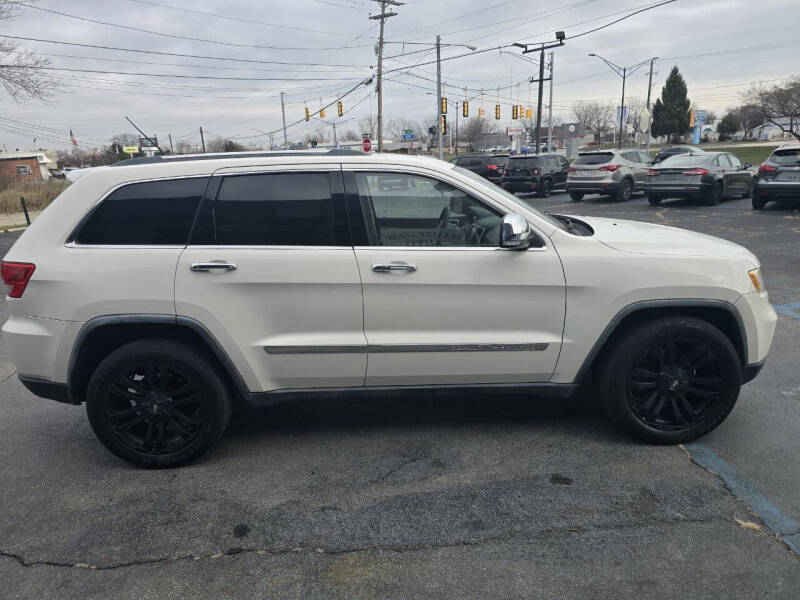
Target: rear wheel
{"type": "Point", "coordinates": [715, 197]}
{"type": "Point", "coordinates": [576, 196]}
{"type": "Point", "coordinates": [623, 194]}
{"type": "Point", "coordinates": [654, 200]}
{"type": "Point", "coordinates": [545, 188]}
{"type": "Point", "coordinates": [157, 403]}
{"type": "Point", "coordinates": [759, 201]}
{"type": "Point", "coordinates": [671, 380]}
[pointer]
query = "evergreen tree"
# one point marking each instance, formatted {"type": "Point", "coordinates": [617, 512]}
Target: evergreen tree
{"type": "Point", "coordinates": [728, 125]}
{"type": "Point", "coordinates": [671, 111]}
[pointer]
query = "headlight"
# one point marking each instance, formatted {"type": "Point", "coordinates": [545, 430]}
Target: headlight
{"type": "Point", "coordinates": [758, 279]}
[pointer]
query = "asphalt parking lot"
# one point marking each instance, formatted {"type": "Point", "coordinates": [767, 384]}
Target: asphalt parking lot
{"type": "Point", "coordinates": [500, 497]}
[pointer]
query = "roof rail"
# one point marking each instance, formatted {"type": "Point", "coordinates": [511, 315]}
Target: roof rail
{"type": "Point", "coordinates": [159, 158]}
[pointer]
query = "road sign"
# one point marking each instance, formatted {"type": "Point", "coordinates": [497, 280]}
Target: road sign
{"type": "Point", "coordinates": [624, 111]}
{"type": "Point", "coordinates": [698, 117]}
{"type": "Point", "coordinates": [408, 134]}
{"type": "Point", "coordinates": [571, 128]}
{"type": "Point", "coordinates": [131, 149]}
{"type": "Point", "coordinates": [366, 136]}
{"type": "Point", "coordinates": [366, 144]}
{"type": "Point", "coordinates": [151, 142]}
{"type": "Point", "coordinates": [513, 130]}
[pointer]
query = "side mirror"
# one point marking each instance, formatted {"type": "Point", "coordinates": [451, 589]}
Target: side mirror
{"type": "Point", "coordinates": [515, 233]}
{"type": "Point", "coordinates": [747, 166]}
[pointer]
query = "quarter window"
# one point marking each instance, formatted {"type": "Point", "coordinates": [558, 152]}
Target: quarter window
{"type": "Point", "coordinates": [410, 210]}
{"type": "Point", "coordinates": [722, 160]}
{"type": "Point", "coordinates": [275, 209]}
{"type": "Point", "coordinates": [152, 213]}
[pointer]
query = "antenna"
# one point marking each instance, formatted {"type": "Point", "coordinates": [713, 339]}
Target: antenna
{"type": "Point", "coordinates": [144, 135]}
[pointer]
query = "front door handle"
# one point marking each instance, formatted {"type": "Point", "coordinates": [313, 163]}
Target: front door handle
{"type": "Point", "coordinates": [204, 267]}
{"type": "Point", "coordinates": [389, 267]}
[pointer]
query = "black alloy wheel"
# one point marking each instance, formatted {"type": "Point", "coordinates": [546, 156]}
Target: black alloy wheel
{"type": "Point", "coordinates": [157, 403]}
{"type": "Point", "coordinates": [545, 188]}
{"type": "Point", "coordinates": [674, 384]}
{"type": "Point", "coordinates": [625, 191]}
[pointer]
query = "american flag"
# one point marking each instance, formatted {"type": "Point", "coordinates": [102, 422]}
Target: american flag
{"type": "Point", "coordinates": [72, 138]}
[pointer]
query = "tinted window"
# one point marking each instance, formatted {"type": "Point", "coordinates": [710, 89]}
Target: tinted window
{"type": "Point", "coordinates": [684, 160]}
{"type": "Point", "coordinates": [150, 213]}
{"type": "Point", "coordinates": [595, 158]}
{"type": "Point", "coordinates": [786, 157]}
{"type": "Point", "coordinates": [522, 163]}
{"type": "Point", "coordinates": [470, 162]}
{"type": "Point", "coordinates": [425, 212]}
{"type": "Point", "coordinates": [280, 209]}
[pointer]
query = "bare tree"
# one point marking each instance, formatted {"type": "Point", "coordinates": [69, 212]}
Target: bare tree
{"type": "Point", "coordinates": [596, 117]}
{"type": "Point", "coordinates": [396, 127]}
{"type": "Point", "coordinates": [368, 125]}
{"type": "Point", "coordinates": [125, 139]}
{"type": "Point", "coordinates": [223, 145]}
{"type": "Point", "coordinates": [23, 73]}
{"type": "Point", "coordinates": [750, 116]}
{"type": "Point", "coordinates": [475, 130]}
{"type": "Point", "coordinates": [780, 104]}
{"type": "Point", "coordinates": [183, 148]}
{"type": "Point", "coordinates": [635, 107]}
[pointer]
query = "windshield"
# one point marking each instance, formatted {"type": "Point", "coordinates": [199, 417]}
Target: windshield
{"type": "Point", "coordinates": [786, 157]}
{"type": "Point", "coordinates": [508, 195]}
{"type": "Point", "coordinates": [594, 158]}
{"type": "Point", "coordinates": [684, 160]}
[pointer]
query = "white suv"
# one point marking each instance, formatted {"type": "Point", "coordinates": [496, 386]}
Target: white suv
{"type": "Point", "coordinates": [161, 290]}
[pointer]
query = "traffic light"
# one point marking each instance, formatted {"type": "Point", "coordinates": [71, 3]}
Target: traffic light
{"type": "Point", "coordinates": [497, 111]}
{"type": "Point", "coordinates": [529, 113]}
{"type": "Point", "coordinates": [321, 113]}
{"type": "Point", "coordinates": [481, 113]}
{"type": "Point", "coordinates": [465, 109]}
{"type": "Point", "coordinates": [308, 115]}
{"type": "Point", "coordinates": [515, 112]}
{"type": "Point", "coordinates": [444, 106]}
{"type": "Point", "coordinates": [443, 125]}
{"type": "Point", "coordinates": [340, 109]}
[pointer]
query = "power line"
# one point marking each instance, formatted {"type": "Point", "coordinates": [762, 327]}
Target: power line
{"type": "Point", "coordinates": [177, 76]}
{"type": "Point", "coordinates": [202, 56]}
{"type": "Point", "coordinates": [175, 36]}
{"type": "Point", "coordinates": [240, 19]}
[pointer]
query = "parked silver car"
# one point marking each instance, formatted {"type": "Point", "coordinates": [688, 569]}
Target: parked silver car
{"type": "Point", "coordinates": [616, 173]}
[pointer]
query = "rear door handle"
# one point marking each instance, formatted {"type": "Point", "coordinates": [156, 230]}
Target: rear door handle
{"type": "Point", "coordinates": [203, 267]}
{"type": "Point", "coordinates": [389, 267]}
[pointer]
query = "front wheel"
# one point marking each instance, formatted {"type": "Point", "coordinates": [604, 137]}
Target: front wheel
{"type": "Point", "coordinates": [671, 380]}
{"type": "Point", "coordinates": [157, 403]}
{"type": "Point", "coordinates": [653, 200]}
{"type": "Point", "coordinates": [576, 196]}
{"type": "Point", "coordinates": [759, 201]}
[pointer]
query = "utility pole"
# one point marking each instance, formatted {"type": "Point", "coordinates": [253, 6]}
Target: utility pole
{"type": "Point", "coordinates": [622, 106]}
{"type": "Point", "coordinates": [560, 37]}
{"type": "Point", "coordinates": [456, 151]}
{"type": "Point", "coordinates": [171, 150]}
{"type": "Point", "coordinates": [335, 144]}
{"type": "Point", "coordinates": [650, 89]}
{"type": "Point", "coordinates": [439, 92]}
{"type": "Point", "coordinates": [550, 109]}
{"type": "Point", "coordinates": [202, 140]}
{"type": "Point", "coordinates": [283, 113]}
{"type": "Point", "coordinates": [382, 18]}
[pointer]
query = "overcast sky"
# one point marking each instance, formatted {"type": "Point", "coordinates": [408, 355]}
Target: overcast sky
{"type": "Point", "coordinates": [720, 47]}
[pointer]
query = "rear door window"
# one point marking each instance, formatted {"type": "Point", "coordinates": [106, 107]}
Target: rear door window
{"type": "Point", "coordinates": [595, 158]}
{"type": "Point", "coordinates": [151, 213]}
{"type": "Point", "coordinates": [275, 209]}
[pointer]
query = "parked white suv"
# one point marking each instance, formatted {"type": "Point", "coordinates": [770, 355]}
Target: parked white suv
{"type": "Point", "coordinates": [160, 290]}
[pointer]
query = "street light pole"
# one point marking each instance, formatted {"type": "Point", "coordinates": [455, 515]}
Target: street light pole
{"type": "Point", "coordinates": [382, 18]}
{"type": "Point", "coordinates": [550, 108]}
{"type": "Point", "coordinates": [622, 106]}
{"type": "Point", "coordinates": [650, 89]}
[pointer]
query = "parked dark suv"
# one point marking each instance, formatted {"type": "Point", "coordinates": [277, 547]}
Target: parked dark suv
{"type": "Point", "coordinates": [490, 166]}
{"type": "Point", "coordinates": [778, 177]}
{"type": "Point", "coordinates": [541, 173]}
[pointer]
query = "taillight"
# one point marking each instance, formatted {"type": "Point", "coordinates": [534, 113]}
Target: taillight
{"type": "Point", "coordinates": [16, 276]}
{"type": "Point", "coordinates": [696, 172]}
{"type": "Point", "coordinates": [767, 168]}
{"type": "Point", "coordinates": [610, 167]}
{"type": "Point", "coordinates": [571, 169]}
{"type": "Point", "coordinates": [651, 173]}
{"type": "Point", "coordinates": [535, 171]}
{"type": "Point", "coordinates": [493, 167]}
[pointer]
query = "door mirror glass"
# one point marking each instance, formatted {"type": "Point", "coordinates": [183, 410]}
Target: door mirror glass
{"type": "Point", "coordinates": [747, 166]}
{"type": "Point", "coordinates": [515, 233]}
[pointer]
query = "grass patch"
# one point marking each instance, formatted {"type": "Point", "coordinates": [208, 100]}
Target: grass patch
{"type": "Point", "coordinates": [754, 155]}
{"type": "Point", "coordinates": [38, 194]}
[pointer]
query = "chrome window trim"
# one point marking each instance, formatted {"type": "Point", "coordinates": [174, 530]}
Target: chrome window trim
{"type": "Point", "coordinates": [126, 246]}
{"type": "Point", "coordinates": [451, 248]}
{"type": "Point", "coordinates": [405, 348]}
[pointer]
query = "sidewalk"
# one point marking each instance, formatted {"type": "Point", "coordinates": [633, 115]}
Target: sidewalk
{"type": "Point", "coordinates": [16, 219]}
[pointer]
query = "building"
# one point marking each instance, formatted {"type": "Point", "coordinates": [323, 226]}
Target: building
{"type": "Point", "coordinates": [25, 166]}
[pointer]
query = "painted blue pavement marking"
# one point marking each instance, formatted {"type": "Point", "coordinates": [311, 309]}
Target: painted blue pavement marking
{"type": "Point", "coordinates": [780, 524]}
{"type": "Point", "coordinates": [788, 310]}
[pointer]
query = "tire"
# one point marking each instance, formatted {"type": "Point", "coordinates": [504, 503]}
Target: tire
{"type": "Point", "coordinates": [715, 197]}
{"type": "Point", "coordinates": [695, 384]}
{"type": "Point", "coordinates": [654, 200]}
{"type": "Point", "coordinates": [759, 202]}
{"type": "Point", "coordinates": [170, 403]}
{"type": "Point", "coordinates": [545, 188]}
{"type": "Point", "coordinates": [623, 194]}
{"type": "Point", "coordinates": [576, 196]}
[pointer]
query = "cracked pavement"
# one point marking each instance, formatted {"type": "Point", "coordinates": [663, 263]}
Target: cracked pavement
{"type": "Point", "coordinates": [502, 497]}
